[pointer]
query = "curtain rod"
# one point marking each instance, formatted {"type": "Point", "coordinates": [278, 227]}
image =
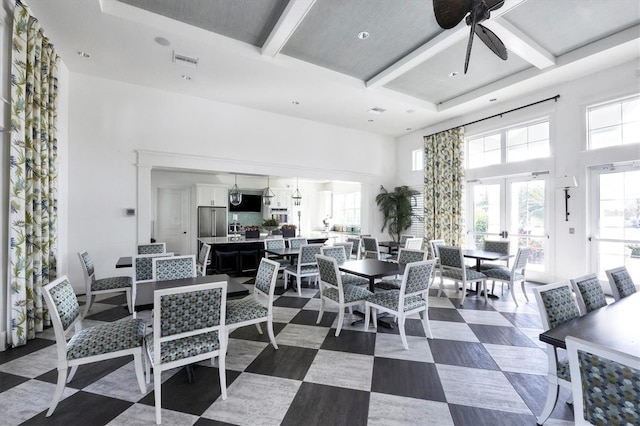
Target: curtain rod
{"type": "Point", "coordinates": [555, 98]}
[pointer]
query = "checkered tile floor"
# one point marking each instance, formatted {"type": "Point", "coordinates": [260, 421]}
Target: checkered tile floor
{"type": "Point", "coordinates": [484, 366]}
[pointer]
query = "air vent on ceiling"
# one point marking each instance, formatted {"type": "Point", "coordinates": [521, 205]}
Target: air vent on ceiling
{"type": "Point", "coordinates": [376, 110]}
{"type": "Point", "coordinates": [185, 60]}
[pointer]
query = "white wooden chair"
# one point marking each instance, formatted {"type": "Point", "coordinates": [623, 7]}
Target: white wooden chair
{"type": "Point", "coordinates": [588, 292]}
{"type": "Point", "coordinates": [452, 266]}
{"type": "Point", "coordinates": [95, 286]}
{"type": "Point", "coordinates": [305, 267]}
{"type": "Point", "coordinates": [512, 275]}
{"type": "Point", "coordinates": [142, 273]}
{"type": "Point", "coordinates": [152, 248]}
{"type": "Point", "coordinates": [621, 283]}
{"type": "Point", "coordinates": [174, 268]}
{"type": "Point", "coordinates": [204, 260]}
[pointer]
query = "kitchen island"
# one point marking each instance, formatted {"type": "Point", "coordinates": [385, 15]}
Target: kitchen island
{"type": "Point", "coordinates": [236, 254]}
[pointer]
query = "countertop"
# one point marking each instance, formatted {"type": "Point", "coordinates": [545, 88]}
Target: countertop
{"type": "Point", "coordinates": [241, 239]}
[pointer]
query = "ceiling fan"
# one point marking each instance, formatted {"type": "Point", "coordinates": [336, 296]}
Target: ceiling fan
{"type": "Point", "coordinates": [450, 12]}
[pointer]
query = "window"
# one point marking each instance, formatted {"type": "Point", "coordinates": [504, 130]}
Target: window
{"type": "Point", "coordinates": [417, 221]}
{"type": "Point", "coordinates": [346, 208]}
{"type": "Point", "coordinates": [518, 143]}
{"type": "Point", "coordinates": [417, 160]}
{"type": "Point", "coordinates": [614, 123]}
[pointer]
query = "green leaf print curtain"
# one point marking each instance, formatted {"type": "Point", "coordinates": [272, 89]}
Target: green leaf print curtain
{"type": "Point", "coordinates": [33, 175]}
{"type": "Point", "coordinates": [444, 185]}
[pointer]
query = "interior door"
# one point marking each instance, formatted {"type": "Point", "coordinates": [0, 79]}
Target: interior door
{"type": "Point", "coordinates": [172, 218]}
{"type": "Point", "coordinates": [514, 209]}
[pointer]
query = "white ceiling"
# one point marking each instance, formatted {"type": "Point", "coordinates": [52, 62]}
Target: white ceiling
{"type": "Point", "coordinates": [303, 58]}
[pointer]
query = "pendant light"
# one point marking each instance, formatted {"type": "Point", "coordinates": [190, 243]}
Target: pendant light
{"type": "Point", "coordinates": [235, 196]}
{"type": "Point", "coordinates": [297, 196]}
{"type": "Point", "coordinates": [267, 194]}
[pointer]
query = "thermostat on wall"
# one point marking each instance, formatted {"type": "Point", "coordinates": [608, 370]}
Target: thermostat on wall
{"type": "Point", "coordinates": [130, 212]}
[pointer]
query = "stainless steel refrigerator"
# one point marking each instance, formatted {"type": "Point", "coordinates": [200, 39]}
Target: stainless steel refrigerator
{"type": "Point", "coordinates": [212, 221]}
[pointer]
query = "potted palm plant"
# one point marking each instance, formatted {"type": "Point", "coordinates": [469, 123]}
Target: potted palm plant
{"type": "Point", "coordinates": [397, 209]}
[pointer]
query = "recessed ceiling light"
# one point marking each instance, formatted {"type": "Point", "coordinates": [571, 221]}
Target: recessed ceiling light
{"type": "Point", "coordinates": [83, 54]}
{"type": "Point", "coordinates": [185, 77]}
{"type": "Point", "coordinates": [296, 102]}
{"type": "Point", "coordinates": [408, 128]}
{"type": "Point", "coordinates": [363, 35]}
{"type": "Point", "coordinates": [411, 111]}
{"type": "Point", "coordinates": [162, 41]}
{"type": "Point", "coordinates": [376, 110]}
{"type": "Point", "coordinates": [370, 121]}
{"type": "Point", "coordinates": [453, 74]}
{"type": "Point", "coordinates": [493, 99]}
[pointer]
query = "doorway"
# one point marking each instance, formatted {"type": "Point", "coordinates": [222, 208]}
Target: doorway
{"type": "Point", "coordinates": [172, 218]}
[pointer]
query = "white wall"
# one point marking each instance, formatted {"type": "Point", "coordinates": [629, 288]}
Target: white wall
{"type": "Point", "coordinates": [568, 138]}
{"type": "Point", "coordinates": [109, 122]}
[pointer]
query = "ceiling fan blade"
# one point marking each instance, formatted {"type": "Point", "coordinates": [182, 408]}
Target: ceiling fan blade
{"type": "Point", "coordinates": [450, 12]}
{"type": "Point", "coordinates": [469, 44]}
{"type": "Point", "coordinates": [492, 41]}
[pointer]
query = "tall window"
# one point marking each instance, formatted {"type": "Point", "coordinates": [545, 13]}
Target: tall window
{"type": "Point", "coordinates": [417, 208]}
{"type": "Point", "coordinates": [346, 208]}
{"type": "Point", "coordinates": [614, 123]}
{"type": "Point", "coordinates": [511, 144]}
{"type": "Point", "coordinates": [417, 160]}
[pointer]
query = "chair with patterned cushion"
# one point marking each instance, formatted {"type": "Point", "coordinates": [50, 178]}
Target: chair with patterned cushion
{"type": "Point", "coordinates": [621, 283]}
{"type": "Point", "coordinates": [496, 246]}
{"type": "Point", "coordinates": [204, 260]}
{"type": "Point", "coordinates": [152, 248]}
{"type": "Point", "coordinates": [452, 266]}
{"type": "Point", "coordinates": [372, 249]}
{"type": "Point", "coordinates": [174, 268]}
{"type": "Point", "coordinates": [409, 299]}
{"type": "Point", "coordinates": [589, 293]}
{"type": "Point", "coordinates": [434, 244]}
{"type": "Point", "coordinates": [94, 286]}
{"type": "Point", "coordinates": [405, 256]}
{"type": "Point", "coordinates": [276, 243]}
{"type": "Point", "coordinates": [348, 248]}
{"type": "Point", "coordinates": [188, 327]}
{"type": "Point", "coordinates": [142, 273]}
{"type": "Point", "coordinates": [296, 242]}
{"type": "Point", "coordinates": [332, 290]}
{"type": "Point", "coordinates": [513, 275]}
{"type": "Point", "coordinates": [87, 345]}
{"type": "Point", "coordinates": [249, 310]}
{"type": "Point", "coordinates": [414, 243]}
{"type": "Point", "coordinates": [305, 267]}
{"type": "Point", "coordinates": [339, 253]}
{"type": "Point", "coordinates": [356, 248]}
{"type": "Point", "coordinates": [557, 305]}
{"type": "Point", "coordinates": [605, 382]}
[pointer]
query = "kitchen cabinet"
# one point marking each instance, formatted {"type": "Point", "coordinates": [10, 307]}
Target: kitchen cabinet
{"type": "Point", "coordinates": [282, 200]}
{"type": "Point", "coordinates": [212, 195]}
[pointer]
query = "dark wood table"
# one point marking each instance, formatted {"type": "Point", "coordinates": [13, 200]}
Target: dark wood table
{"type": "Point", "coordinates": [288, 252]}
{"type": "Point", "coordinates": [124, 262]}
{"type": "Point", "coordinates": [391, 246]}
{"type": "Point", "coordinates": [614, 326]}
{"type": "Point", "coordinates": [144, 291]}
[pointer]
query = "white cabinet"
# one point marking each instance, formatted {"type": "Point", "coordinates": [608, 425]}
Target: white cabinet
{"type": "Point", "coordinates": [212, 195]}
{"type": "Point", "coordinates": [282, 200]}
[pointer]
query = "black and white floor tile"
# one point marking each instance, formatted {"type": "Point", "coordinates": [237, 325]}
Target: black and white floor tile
{"type": "Point", "coordinates": [484, 366]}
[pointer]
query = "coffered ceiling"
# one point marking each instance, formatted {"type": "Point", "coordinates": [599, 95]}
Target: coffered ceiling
{"type": "Point", "coordinates": [304, 58]}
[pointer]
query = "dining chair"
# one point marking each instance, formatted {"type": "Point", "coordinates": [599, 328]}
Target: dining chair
{"type": "Point", "coordinates": [296, 242]}
{"type": "Point", "coordinates": [405, 256]}
{"type": "Point", "coordinates": [356, 248]}
{"type": "Point", "coordinates": [333, 290]}
{"type": "Point", "coordinates": [496, 246]}
{"type": "Point", "coordinates": [305, 267]}
{"type": "Point", "coordinates": [339, 253]}
{"type": "Point", "coordinates": [276, 243]}
{"type": "Point", "coordinates": [94, 286]}
{"type": "Point", "coordinates": [348, 247]}
{"type": "Point", "coordinates": [142, 273]}
{"type": "Point", "coordinates": [410, 299]}
{"type": "Point", "coordinates": [98, 343]}
{"type": "Point", "coordinates": [414, 243]}
{"type": "Point", "coordinates": [620, 282]}
{"type": "Point", "coordinates": [588, 292]}
{"type": "Point", "coordinates": [434, 244]}
{"type": "Point", "coordinates": [250, 310]}
{"type": "Point", "coordinates": [512, 275]}
{"type": "Point", "coordinates": [152, 248]}
{"type": "Point", "coordinates": [203, 260]}
{"type": "Point", "coordinates": [174, 268]}
{"type": "Point", "coordinates": [452, 266]}
{"type": "Point", "coordinates": [557, 305]}
{"type": "Point", "coordinates": [605, 384]}
{"type": "Point", "coordinates": [404, 238]}
{"type": "Point", "coordinates": [372, 250]}
{"type": "Point", "coordinates": [188, 327]}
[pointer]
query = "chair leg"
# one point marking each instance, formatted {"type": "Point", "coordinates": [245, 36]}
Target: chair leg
{"type": "Point", "coordinates": [259, 328]}
{"type": "Point", "coordinates": [157, 389]}
{"type": "Point", "coordinates": [425, 324]}
{"type": "Point", "coordinates": [72, 373]}
{"type": "Point", "coordinates": [464, 293]}
{"type": "Point", "coordinates": [340, 320]}
{"type": "Point", "coordinates": [137, 362]}
{"type": "Point", "coordinates": [299, 283]}
{"type": "Point", "coordinates": [62, 380]}
{"type": "Point", "coordinates": [87, 305]}
{"type": "Point", "coordinates": [550, 403]}
{"type": "Point", "coordinates": [129, 300]}
{"type": "Point", "coordinates": [272, 336]}
{"type": "Point", "coordinates": [484, 290]}
{"type": "Point", "coordinates": [147, 367]}
{"type": "Point", "coordinates": [367, 316]}
{"type": "Point", "coordinates": [523, 291]}
{"type": "Point", "coordinates": [403, 334]}
{"type": "Point", "coordinates": [223, 374]}
{"type": "Point", "coordinates": [321, 311]}
{"type": "Point", "coordinates": [512, 289]}
{"type": "Point", "coordinates": [374, 313]}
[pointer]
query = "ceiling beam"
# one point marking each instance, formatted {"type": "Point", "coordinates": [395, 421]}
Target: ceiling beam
{"type": "Point", "coordinates": [292, 16]}
{"type": "Point", "coordinates": [431, 48]}
{"type": "Point", "coordinates": [521, 44]}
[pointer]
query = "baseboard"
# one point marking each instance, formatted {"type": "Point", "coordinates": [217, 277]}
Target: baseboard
{"type": "Point", "coordinates": [3, 341]}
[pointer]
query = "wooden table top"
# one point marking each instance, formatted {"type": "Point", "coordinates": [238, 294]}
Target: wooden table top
{"type": "Point", "coordinates": [145, 290]}
{"type": "Point", "coordinates": [614, 326]}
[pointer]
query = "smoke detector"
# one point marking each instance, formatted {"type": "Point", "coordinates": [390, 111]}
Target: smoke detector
{"type": "Point", "coordinates": [184, 60]}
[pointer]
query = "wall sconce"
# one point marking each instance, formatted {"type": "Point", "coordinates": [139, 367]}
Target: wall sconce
{"type": "Point", "coordinates": [565, 182]}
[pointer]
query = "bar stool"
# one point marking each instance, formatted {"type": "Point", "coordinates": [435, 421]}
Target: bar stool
{"type": "Point", "coordinates": [249, 259]}
{"type": "Point", "coordinates": [231, 257]}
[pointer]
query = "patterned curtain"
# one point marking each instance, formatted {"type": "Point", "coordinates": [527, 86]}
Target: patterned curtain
{"type": "Point", "coordinates": [33, 174]}
{"type": "Point", "coordinates": [443, 186]}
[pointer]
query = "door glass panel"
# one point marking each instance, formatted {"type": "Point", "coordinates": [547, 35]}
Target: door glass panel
{"type": "Point", "coordinates": [527, 220]}
{"type": "Point", "coordinates": [486, 212]}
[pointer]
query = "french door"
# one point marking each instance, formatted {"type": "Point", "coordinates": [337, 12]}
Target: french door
{"type": "Point", "coordinates": [172, 218]}
{"type": "Point", "coordinates": [515, 209]}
